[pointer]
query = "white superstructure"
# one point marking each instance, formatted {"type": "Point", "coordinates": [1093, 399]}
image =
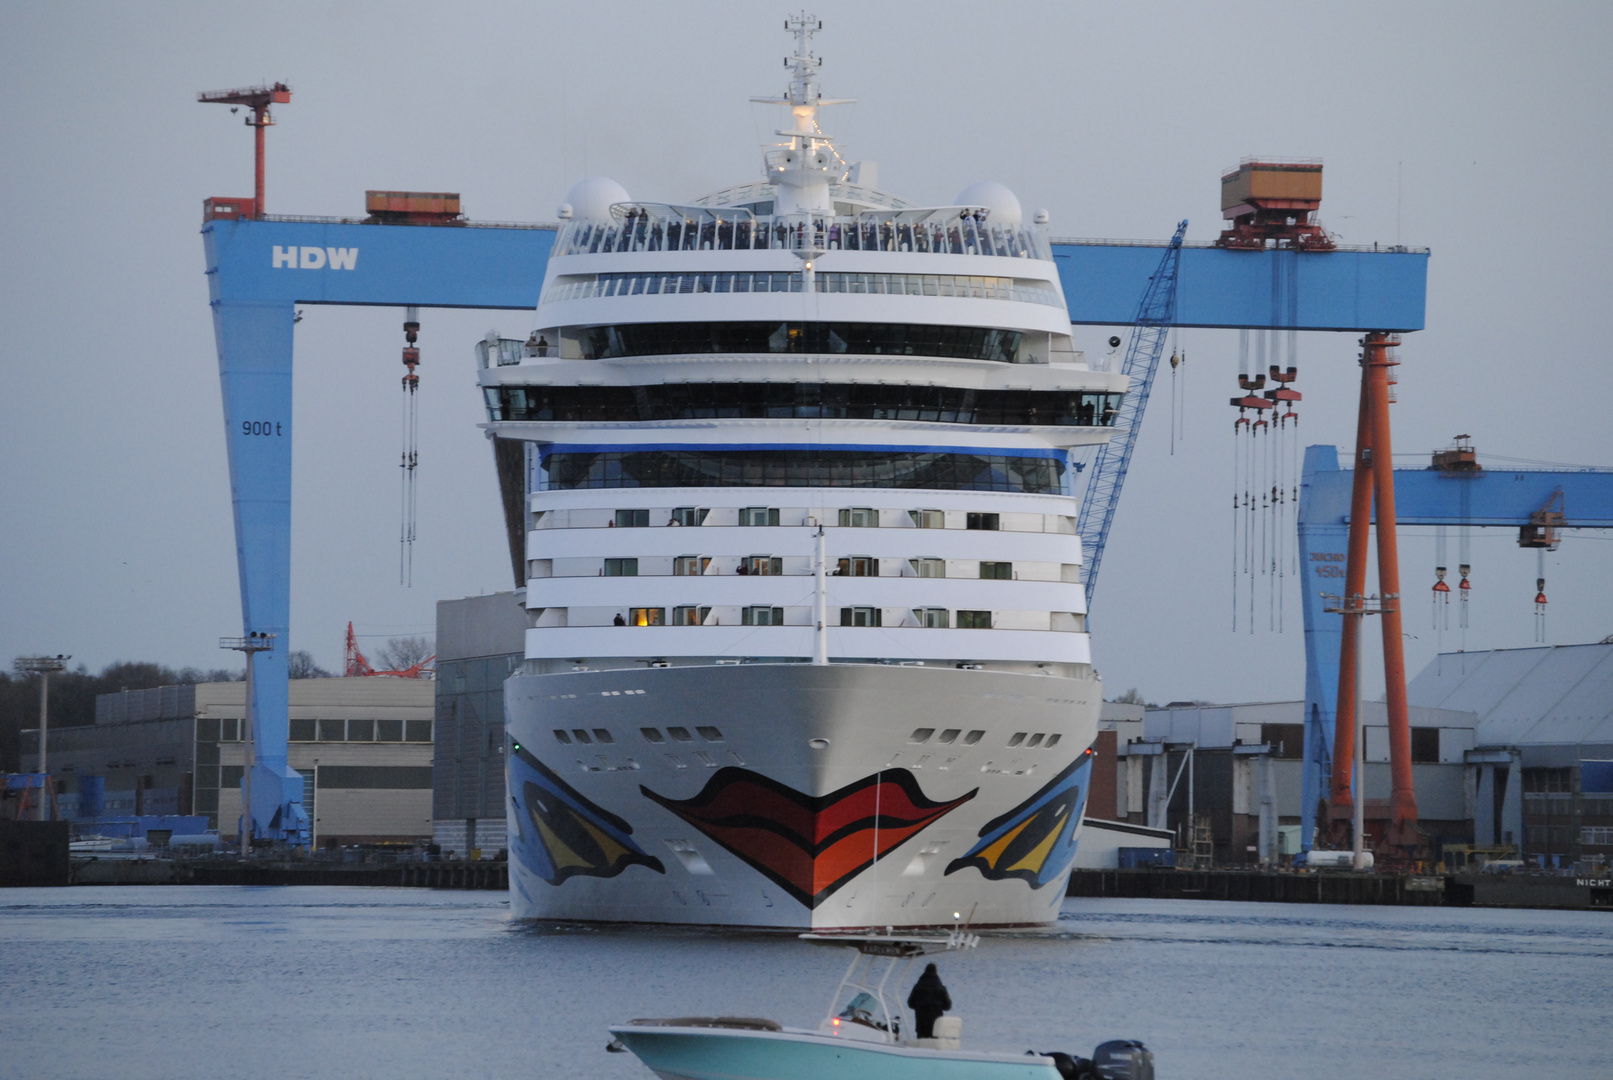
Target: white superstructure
{"type": "Point", "coordinates": [807, 638]}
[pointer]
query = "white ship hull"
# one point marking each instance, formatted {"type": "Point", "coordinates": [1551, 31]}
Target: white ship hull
{"type": "Point", "coordinates": [792, 778]}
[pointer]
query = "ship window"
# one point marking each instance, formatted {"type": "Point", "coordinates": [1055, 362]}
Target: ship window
{"type": "Point", "coordinates": [1034, 740]}
{"type": "Point", "coordinates": [621, 568]}
{"type": "Point", "coordinates": [935, 618]}
{"type": "Point", "coordinates": [689, 615]}
{"type": "Point", "coordinates": [652, 735]}
{"type": "Point", "coordinates": [710, 734]}
{"type": "Point", "coordinates": [973, 737]}
{"type": "Point", "coordinates": [1016, 738]}
{"type": "Point", "coordinates": [928, 519]}
{"type": "Point", "coordinates": [331, 730]}
{"type": "Point", "coordinates": [929, 567]}
{"type": "Point", "coordinates": [805, 467]}
{"type": "Point", "coordinates": [861, 616]}
{"type": "Point", "coordinates": [632, 519]}
{"type": "Point", "coordinates": [603, 736]}
{"type": "Point", "coordinates": [858, 566]}
{"type": "Point", "coordinates": [988, 522]}
{"type": "Point", "coordinates": [764, 565]}
{"type": "Point", "coordinates": [302, 731]}
{"type": "Point", "coordinates": [759, 515]}
{"type": "Point", "coordinates": [974, 620]}
{"type": "Point", "coordinates": [392, 730]}
{"type": "Point", "coordinates": [1053, 740]}
{"type": "Point", "coordinates": [361, 731]}
{"type": "Point", "coordinates": [830, 401]}
{"type": "Point", "coordinates": [680, 734]}
{"type": "Point", "coordinates": [762, 615]}
{"type": "Point", "coordinates": [876, 339]}
{"type": "Point", "coordinates": [859, 517]}
{"type": "Point", "coordinates": [997, 571]}
{"type": "Point", "coordinates": [921, 735]}
{"type": "Point", "coordinates": [646, 616]}
{"type": "Point", "coordinates": [689, 515]}
{"type": "Point", "coordinates": [950, 735]}
{"type": "Point", "coordinates": [580, 735]}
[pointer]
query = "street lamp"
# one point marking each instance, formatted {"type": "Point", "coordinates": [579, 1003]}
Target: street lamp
{"type": "Point", "coordinates": [251, 645]}
{"type": "Point", "coordinates": [43, 666]}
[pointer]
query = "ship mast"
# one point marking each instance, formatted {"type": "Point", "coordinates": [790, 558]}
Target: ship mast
{"type": "Point", "coordinates": [803, 167]}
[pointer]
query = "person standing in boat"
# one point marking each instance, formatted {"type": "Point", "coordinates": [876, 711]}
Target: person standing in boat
{"type": "Point", "coordinates": [928, 1000]}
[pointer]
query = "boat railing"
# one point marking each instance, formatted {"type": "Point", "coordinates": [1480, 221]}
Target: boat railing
{"type": "Point", "coordinates": [651, 228]}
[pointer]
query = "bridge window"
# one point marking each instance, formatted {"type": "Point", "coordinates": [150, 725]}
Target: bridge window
{"type": "Point", "coordinates": [867, 339]}
{"type": "Point", "coordinates": [806, 467]}
{"type": "Point", "coordinates": [808, 401]}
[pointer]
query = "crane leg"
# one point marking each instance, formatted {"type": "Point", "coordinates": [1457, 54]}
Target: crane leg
{"type": "Point", "coordinates": [1341, 801]}
{"type": "Point", "coordinates": [1403, 796]}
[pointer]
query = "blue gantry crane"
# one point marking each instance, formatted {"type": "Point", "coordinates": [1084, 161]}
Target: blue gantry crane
{"type": "Point", "coordinates": [1155, 314]}
{"type": "Point", "coordinates": [1443, 493]}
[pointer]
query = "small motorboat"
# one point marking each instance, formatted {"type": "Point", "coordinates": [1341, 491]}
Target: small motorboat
{"type": "Point", "coordinates": [862, 1036]}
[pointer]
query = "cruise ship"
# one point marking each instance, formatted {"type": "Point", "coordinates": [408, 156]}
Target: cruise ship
{"type": "Point", "coordinates": [806, 638]}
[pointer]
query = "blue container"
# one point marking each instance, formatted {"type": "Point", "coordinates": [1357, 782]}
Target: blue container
{"type": "Point", "coordinates": [1139, 858]}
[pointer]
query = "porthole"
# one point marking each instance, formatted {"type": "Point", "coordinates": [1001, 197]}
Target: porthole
{"type": "Point", "coordinates": [818, 744]}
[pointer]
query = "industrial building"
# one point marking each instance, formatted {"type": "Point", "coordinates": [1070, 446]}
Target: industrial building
{"type": "Point", "coordinates": [1511, 748]}
{"type": "Point", "coordinates": [1541, 768]}
{"type": "Point", "coordinates": [363, 747]}
{"type": "Point", "coordinates": [480, 641]}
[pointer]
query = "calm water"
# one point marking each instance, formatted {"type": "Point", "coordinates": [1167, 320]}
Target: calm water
{"type": "Point", "coordinates": [347, 983]}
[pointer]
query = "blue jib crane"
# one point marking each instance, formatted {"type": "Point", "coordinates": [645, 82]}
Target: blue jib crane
{"type": "Point", "coordinates": [1155, 316]}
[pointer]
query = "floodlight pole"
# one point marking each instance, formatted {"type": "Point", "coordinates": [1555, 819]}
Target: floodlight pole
{"type": "Point", "coordinates": [43, 666]}
{"type": "Point", "coordinates": [251, 645]}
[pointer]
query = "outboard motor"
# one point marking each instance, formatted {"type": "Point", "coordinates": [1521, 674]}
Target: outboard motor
{"type": "Point", "coordinates": [1123, 1059]}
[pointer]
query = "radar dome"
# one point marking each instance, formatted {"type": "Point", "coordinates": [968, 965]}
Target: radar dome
{"type": "Point", "coordinates": [995, 197]}
{"type": "Point", "coordinates": [591, 197]}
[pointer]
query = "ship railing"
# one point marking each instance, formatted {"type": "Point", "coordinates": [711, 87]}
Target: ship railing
{"type": "Point", "coordinates": [653, 228]}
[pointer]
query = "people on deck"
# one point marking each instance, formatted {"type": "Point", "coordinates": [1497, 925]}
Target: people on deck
{"type": "Point", "coordinates": [928, 1000]}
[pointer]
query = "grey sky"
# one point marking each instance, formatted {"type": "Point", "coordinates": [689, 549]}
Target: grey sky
{"type": "Point", "coordinates": [117, 541]}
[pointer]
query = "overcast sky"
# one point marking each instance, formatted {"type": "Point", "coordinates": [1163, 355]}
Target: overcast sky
{"type": "Point", "coordinates": [1481, 131]}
